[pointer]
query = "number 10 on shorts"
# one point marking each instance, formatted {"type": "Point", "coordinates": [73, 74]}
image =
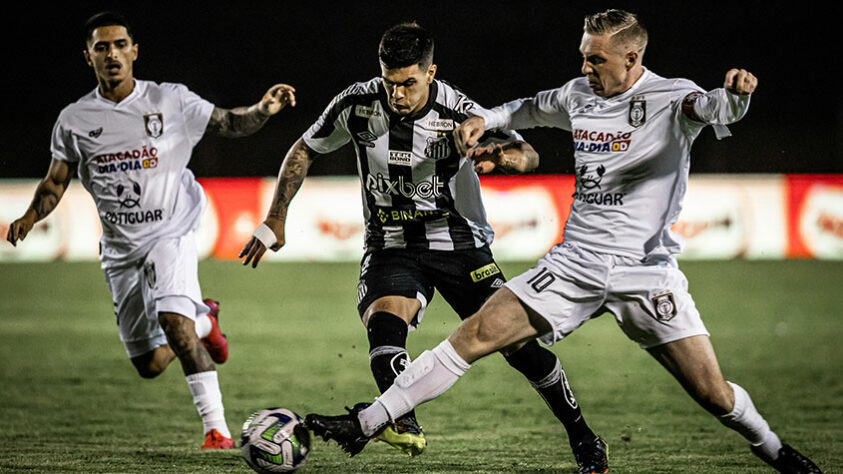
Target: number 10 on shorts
{"type": "Point", "coordinates": [541, 280]}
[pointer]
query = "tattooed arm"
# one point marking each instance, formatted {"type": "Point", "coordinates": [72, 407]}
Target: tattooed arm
{"type": "Point", "coordinates": [244, 121]}
{"type": "Point", "coordinates": [290, 179]}
{"type": "Point", "coordinates": [47, 197]}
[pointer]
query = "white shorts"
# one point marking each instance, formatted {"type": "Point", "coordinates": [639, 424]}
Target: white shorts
{"type": "Point", "coordinates": [570, 285]}
{"type": "Point", "coordinates": [166, 280]}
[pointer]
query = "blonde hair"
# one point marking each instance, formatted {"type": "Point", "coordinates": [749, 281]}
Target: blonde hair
{"type": "Point", "coordinates": [624, 28]}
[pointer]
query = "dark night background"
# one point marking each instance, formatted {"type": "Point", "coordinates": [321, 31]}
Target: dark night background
{"type": "Point", "coordinates": [494, 51]}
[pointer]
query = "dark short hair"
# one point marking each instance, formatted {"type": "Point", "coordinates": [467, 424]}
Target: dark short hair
{"type": "Point", "coordinates": [106, 19]}
{"type": "Point", "coordinates": [406, 44]}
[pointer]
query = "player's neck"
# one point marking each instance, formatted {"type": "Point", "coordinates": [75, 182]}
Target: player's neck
{"type": "Point", "coordinates": [117, 91]}
{"type": "Point", "coordinates": [632, 78]}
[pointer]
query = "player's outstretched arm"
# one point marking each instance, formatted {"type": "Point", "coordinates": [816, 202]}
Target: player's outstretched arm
{"type": "Point", "coordinates": [722, 106]}
{"type": "Point", "coordinates": [244, 121]}
{"type": "Point", "coordinates": [511, 158]}
{"type": "Point", "coordinates": [47, 197]}
{"type": "Point", "coordinates": [271, 233]}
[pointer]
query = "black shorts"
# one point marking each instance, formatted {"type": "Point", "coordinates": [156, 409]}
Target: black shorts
{"type": "Point", "coordinates": [465, 278]}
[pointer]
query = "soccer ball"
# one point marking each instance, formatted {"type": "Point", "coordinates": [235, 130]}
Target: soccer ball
{"type": "Point", "coordinates": [274, 440]}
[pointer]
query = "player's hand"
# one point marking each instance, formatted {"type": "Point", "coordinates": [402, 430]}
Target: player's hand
{"type": "Point", "coordinates": [254, 248]}
{"type": "Point", "coordinates": [486, 158]}
{"type": "Point", "coordinates": [19, 228]}
{"type": "Point", "coordinates": [468, 133]}
{"type": "Point", "coordinates": [276, 98]}
{"type": "Point", "coordinates": [740, 81]}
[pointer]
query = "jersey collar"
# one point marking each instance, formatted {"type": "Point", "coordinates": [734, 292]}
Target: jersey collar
{"type": "Point", "coordinates": [136, 91]}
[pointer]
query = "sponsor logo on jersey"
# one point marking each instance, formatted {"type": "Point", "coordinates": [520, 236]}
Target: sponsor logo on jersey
{"type": "Point", "coordinates": [437, 147]}
{"type": "Point", "coordinates": [590, 141]}
{"type": "Point", "coordinates": [367, 138]}
{"type": "Point", "coordinates": [130, 200]}
{"type": "Point", "coordinates": [137, 217]}
{"type": "Point", "coordinates": [445, 125]}
{"type": "Point", "coordinates": [154, 124]}
{"type": "Point", "coordinates": [485, 272]}
{"type": "Point", "coordinates": [464, 104]}
{"type": "Point", "coordinates": [665, 306]}
{"type": "Point", "coordinates": [408, 189]}
{"type": "Point", "coordinates": [95, 133]}
{"type": "Point", "coordinates": [637, 111]}
{"type": "Point", "coordinates": [587, 182]}
{"type": "Point", "coordinates": [402, 158]}
{"type": "Point", "coordinates": [127, 161]}
{"type": "Point", "coordinates": [390, 216]}
{"type": "Point", "coordinates": [497, 283]}
{"type": "Point", "coordinates": [365, 111]}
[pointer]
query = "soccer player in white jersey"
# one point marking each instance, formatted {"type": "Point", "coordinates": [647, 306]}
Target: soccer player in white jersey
{"type": "Point", "coordinates": [633, 132]}
{"type": "Point", "coordinates": [131, 141]}
{"type": "Point", "coordinates": [425, 222]}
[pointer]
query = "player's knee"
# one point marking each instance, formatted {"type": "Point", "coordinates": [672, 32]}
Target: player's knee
{"type": "Point", "coordinates": [148, 366]}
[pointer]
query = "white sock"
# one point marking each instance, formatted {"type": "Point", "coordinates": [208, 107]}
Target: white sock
{"type": "Point", "coordinates": [746, 420]}
{"type": "Point", "coordinates": [205, 388]}
{"type": "Point", "coordinates": [427, 377]}
{"type": "Point", "coordinates": [203, 326]}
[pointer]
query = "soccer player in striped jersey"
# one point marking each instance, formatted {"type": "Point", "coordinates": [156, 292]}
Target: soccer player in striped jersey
{"type": "Point", "coordinates": [130, 141]}
{"type": "Point", "coordinates": [426, 226]}
{"type": "Point", "coordinates": [632, 132]}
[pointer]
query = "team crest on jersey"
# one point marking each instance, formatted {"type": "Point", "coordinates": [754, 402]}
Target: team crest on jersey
{"type": "Point", "coordinates": [665, 306]}
{"type": "Point", "coordinates": [154, 124]}
{"type": "Point", "coordinates": [637, 111]}
{"type": "Point", "coordinates": [437, 147]}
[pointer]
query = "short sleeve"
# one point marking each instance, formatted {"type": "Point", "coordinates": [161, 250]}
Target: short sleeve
{"type": "Point", "coordinates": [62, 143]}
{"type": "Point", "coordinates": [330, 131]}
{"type": "Point", "coordinates": [196, 112]}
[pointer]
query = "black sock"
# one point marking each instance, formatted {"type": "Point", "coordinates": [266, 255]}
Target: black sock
{"type": "Point", "coordinates": [543, 370]}
{"type": "Point", "coordinates": [387, 349]}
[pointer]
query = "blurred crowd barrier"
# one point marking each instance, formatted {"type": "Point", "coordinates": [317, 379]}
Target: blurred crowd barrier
{"type": "Point", "coordinates": [723, 217]}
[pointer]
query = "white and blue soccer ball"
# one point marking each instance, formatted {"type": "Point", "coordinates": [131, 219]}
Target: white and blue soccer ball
{"type": "Point", "coordinates": [275, 440]}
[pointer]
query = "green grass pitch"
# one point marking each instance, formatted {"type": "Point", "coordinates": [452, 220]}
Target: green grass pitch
{"type": "Point", "coordinates": [70, 400]}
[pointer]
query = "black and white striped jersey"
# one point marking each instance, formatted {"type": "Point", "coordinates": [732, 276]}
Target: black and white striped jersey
{"type": "Point", "coordinates": [418, 192]}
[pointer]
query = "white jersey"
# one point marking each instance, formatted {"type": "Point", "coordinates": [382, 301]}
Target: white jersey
{"type": "Point", "coordinates": [632, 156]}
{"type": "Point", "coordinates": [419, 193]}
{"type": "Point", "coordinates": [133, 159]}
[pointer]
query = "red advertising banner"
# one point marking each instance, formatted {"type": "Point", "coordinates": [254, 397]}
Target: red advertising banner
{"type": "Point", "coordinates": [723, 216]}
{"type": "Point", "coordinates": [815, 216]}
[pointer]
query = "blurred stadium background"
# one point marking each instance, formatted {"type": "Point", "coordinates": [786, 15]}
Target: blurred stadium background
{"type": "Point", "coordinates": [763, 222]}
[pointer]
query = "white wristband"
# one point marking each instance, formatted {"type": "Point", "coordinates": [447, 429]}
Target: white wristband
{"type": "Point", "coordinates": [265, 235]}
